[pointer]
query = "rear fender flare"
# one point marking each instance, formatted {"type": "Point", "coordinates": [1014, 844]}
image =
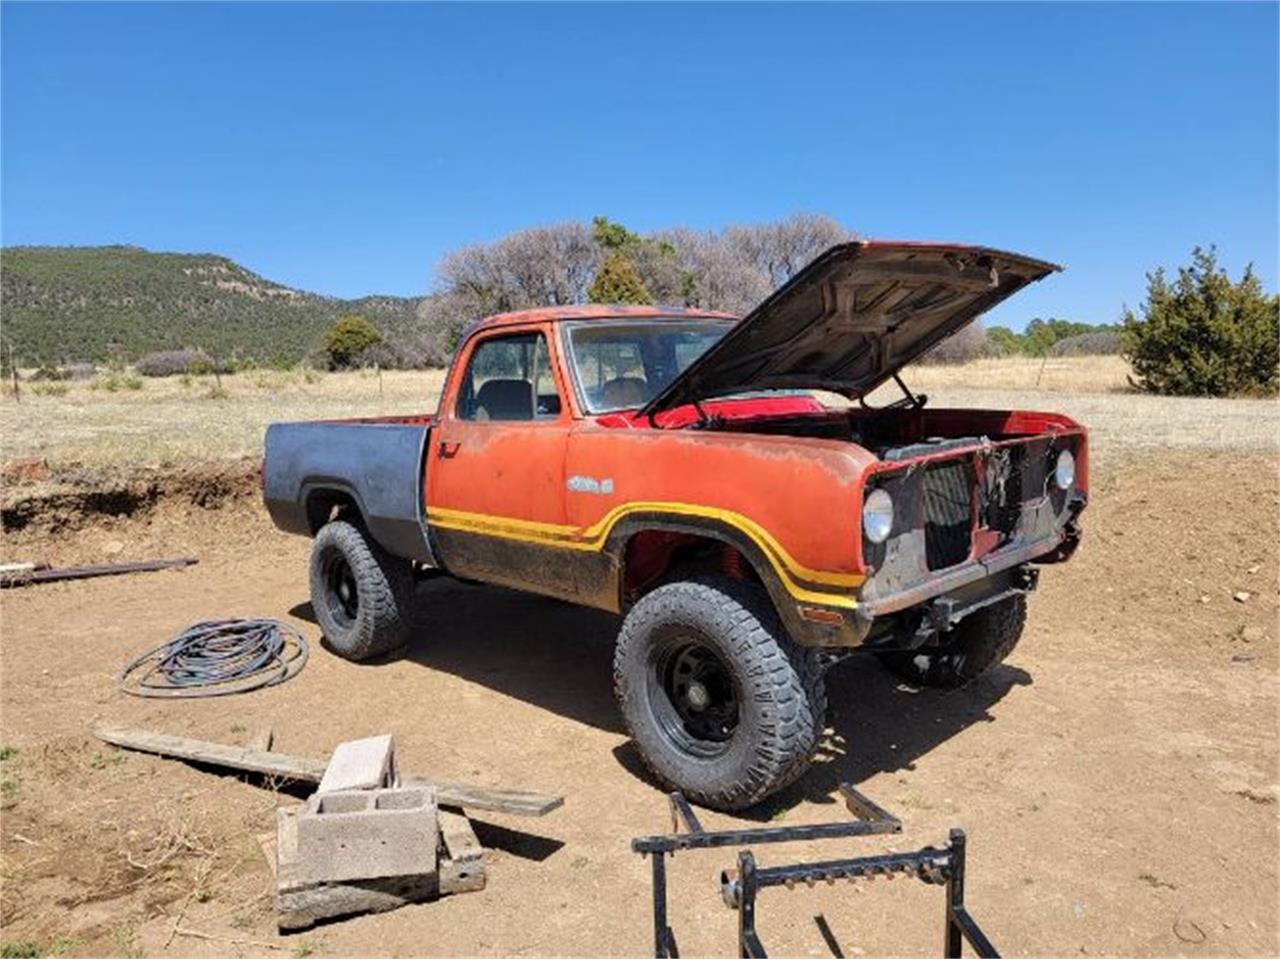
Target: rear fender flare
{"type": "Point", "coordinates": [315, 488]}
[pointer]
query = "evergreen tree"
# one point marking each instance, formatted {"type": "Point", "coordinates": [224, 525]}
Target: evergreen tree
{"type": "Point", "coordinates": [349, 337]}
{"type": "Point", "coordinates": [618, 282]}
{"type": "Point", "coordinates": [1202, 335]}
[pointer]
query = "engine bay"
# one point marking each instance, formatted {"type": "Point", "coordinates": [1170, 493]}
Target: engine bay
{"type": "Point", "coordinates": [891, 434]}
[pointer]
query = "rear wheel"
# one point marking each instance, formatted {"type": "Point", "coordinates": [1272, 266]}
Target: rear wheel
{"type": "Point", "coordinates": [359, 592]}
{"type": "Point", "coordinates": [976, 644]}
{"type": "Point", "coordinates": [721, 705]}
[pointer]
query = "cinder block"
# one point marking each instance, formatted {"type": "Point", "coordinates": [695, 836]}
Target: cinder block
{"type": "Point", "coordinates": [367, 834]}
{"type": "Point", "coordinates": [361, 765]}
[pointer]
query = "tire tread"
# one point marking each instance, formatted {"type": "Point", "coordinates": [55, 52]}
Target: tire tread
{"type": "Point", "coordinates": [385, 585]}
{"type": "Point", "coordinates": [790, 676]}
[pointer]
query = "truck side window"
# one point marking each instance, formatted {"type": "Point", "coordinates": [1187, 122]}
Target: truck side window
{"type": "Point", "coordinates": [509, 378]}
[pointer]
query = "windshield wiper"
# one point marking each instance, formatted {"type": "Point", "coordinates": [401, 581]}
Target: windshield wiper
{"type": "Point", "coordinates": [705, 420]}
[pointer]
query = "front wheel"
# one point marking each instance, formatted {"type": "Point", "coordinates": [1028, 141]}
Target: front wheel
{"type": "Point", "coordinates": [976, 644]}
{"type": "Point", "coordinates": [721, 705]}
{"type": "Point", "coordinates": [359, 592]}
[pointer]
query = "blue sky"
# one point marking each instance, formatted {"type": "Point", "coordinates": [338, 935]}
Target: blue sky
{"type": "Point", "coordinates": [344, 148]}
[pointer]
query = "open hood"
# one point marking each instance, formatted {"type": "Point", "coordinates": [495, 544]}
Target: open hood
{"type": "Point", "coordinates": [853, 318]}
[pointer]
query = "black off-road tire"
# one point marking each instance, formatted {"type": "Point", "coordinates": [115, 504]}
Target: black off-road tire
{"type": "Point", "coordinates": [360, 593]}
{"type": "Point", "coordinates": [978, 642]}
{"type": "Point", "coordinates": [778, 693]}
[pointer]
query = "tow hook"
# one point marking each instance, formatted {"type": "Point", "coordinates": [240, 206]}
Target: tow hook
{"type": "Point", "coordinates": [939, 616]}
{"type": "Point", "coordinates": [943, 613]}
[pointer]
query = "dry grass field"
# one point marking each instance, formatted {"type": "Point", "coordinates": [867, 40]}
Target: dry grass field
{"type": "Point", "coordinates": [1052, 374]}
{"type": "Point", "coordinates": [171, 420]}
{"type": "Point", "coordinates": [168, 422]}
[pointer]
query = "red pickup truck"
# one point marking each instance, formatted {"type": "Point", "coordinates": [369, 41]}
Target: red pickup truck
{"type": "Point", "coordinates": [676, 467]}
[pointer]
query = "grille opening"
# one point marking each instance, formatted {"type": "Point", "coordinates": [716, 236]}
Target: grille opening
{"type": "Point", "coordinates": [1004, 490]}
{"type": "Point", "coordinates": [948, 509]}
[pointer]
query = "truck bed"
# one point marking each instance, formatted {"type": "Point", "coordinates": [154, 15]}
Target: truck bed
{"type": "Point", "coordinates": [379, 463]}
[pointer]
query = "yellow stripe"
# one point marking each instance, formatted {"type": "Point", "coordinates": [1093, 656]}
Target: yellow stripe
{"type": "Point", "coordinates": [594, 537]}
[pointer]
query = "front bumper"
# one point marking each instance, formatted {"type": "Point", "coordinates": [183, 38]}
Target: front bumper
{"type": "Point", "coordinates": [948, 581]}
{"type": "Point", "coordinates": [951, 593]}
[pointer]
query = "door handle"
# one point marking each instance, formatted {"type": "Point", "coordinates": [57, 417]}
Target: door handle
{"type": "Point", "coordinates": [449, 449]}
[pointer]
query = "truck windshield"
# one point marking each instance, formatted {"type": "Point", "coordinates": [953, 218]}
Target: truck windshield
{"type": "Point", "coordinates": [623, 365]}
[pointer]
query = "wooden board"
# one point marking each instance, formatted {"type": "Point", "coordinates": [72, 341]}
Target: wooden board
{"type": "Point", "coordinates": [265, 762]}
{"type": "Point", "coordinates": [461, 856]}
{"type": "Point", "coordinates": [305, 770]}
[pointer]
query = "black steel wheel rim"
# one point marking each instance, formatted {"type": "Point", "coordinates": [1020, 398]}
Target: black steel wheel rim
{"type": "Point", "coordinates": [341, 594]}
{"type": "Point", "coordinates": [694, 696]}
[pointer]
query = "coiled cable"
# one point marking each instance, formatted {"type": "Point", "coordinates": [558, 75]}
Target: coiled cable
{"type": "Point", "coordinates": [216, 658]}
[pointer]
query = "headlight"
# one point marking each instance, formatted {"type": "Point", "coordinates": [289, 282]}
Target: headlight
{"type": "Point", "coordinates": [1064, 473]}
{"type": "Point", "coordinates": [877, 516]}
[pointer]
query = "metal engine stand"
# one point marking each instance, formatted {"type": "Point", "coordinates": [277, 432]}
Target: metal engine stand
{"type": "Point", "coordinates": [740, 887]}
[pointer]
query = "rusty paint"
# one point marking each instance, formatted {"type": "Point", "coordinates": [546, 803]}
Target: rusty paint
{"type": "Point", "coordinates": [514, 474]}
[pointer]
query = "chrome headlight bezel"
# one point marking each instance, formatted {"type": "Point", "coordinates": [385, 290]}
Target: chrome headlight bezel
{"type": "Point", "coordinates": [1064, 470]}
{"type": "Point", "coordinates": [877, 516]}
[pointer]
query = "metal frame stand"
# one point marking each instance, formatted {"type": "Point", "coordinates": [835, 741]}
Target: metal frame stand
{"type": "Point", "coordinates": [870, 818]}
{"type": "Point", "coordinates": [740, 888]}
{"type": "Point", "coordinates": [930, 865]}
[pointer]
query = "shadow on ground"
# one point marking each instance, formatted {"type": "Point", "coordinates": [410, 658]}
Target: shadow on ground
{"type": "Point", "coordinates": [559, 657]}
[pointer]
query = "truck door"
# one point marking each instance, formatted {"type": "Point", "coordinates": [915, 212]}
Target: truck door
{"type": "Point", "coordinates": [495, 481]}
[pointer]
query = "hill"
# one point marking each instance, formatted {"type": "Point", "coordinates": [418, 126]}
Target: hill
{"type": "Point", "coordinates": [61, 304]}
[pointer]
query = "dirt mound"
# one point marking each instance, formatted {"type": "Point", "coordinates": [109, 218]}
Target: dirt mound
{"type": "Point", "coordinates": [38, 499]}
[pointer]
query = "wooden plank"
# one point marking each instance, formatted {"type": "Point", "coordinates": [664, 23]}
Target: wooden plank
{"type": "Point", "coordinates": [286, 847]}
{"type": "Point", "coordinates": [301, 906]}
{"type": "Point", "coordinates": [525, 803]}
{"type": "Point", "coordinates": [305, 770]}
{"type": "Point", "coordinates": [264, 762]}
{"type": "Point", "coordinates": [461, 856]}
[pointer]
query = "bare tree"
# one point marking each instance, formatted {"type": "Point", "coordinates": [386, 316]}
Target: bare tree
{"type": "Point", "coordinates": [967, 343]}
{"type": "Point", "coordinates": [529, 268]}
{"type": "Point", "coordinates": [779, 250]}
{"type": "Point", "coordinates": [713, 274]}
{"type": "Point", "coordinates": [549, 265]}
{"type": "Point", "coordinates": [732, 269]}
{"type": "Point", "coordinates": [739, 266]}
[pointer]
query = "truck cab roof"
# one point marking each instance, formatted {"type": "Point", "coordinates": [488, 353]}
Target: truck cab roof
{"type": "Point", "coordinates": [593, 311]}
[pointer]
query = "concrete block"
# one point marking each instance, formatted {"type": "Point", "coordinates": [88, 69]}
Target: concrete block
{"type": "Point", "coordinates": [367, 834]}
{"type": "Point", "coordinates": [361, 765]}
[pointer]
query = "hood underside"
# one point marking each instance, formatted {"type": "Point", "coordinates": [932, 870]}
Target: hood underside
{"type": "Point", "coordinates": [853, 318]}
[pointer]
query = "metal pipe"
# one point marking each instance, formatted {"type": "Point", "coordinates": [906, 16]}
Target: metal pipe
{"type": "Point", "coordinates": [95, 570]}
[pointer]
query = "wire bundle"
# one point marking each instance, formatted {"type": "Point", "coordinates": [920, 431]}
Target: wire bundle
{"type": "Point", "coordinates": [216, 658]}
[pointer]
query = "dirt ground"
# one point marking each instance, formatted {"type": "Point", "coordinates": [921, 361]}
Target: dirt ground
{"type": "Point", "coordinates": [1117, 777]}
